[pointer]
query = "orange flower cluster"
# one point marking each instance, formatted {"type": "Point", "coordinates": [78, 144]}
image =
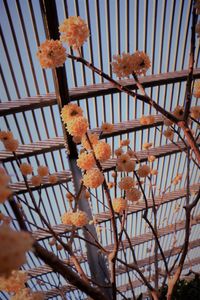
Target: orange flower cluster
{"type": "Point", "coordinates": [51, 54]}
{"type": "Point", "coordinates": [122, 65]}
{"type": "Point", "coordinates": [102, 151]}
{"type": "Point", "coordinates": [127, 64]}
{"type": "Point", "coordinates": [26, 169]}
{"type": "Point", "coordinates": [119, 205]}
{"type": "Point", "coordinates": [147, 120]}
{"type": "Point", "coordinates": [78, 218]}
{"type": "Point", "coordinates": [10, 144]}
{"type": "Point", "coordinates": [126, 183]}
{"type": "Point", "coordinates": [133, 195]}
{"type": "Point", "coordinates": [70, 111]}
{"type": "Point", "coordinates": [141, 62]}
{"type": "Point", "coordinates": [107, 127]}
{"type": "Point", "coordinates": [85, 161]}
{"type": "Point", "coordinates": [74, 31]}
{"type": "Point", "coordinates": [195, 112]}
{"type": "Point", "coordinates": [14, 283]}
{"type": "Point", "coordinates": [169, 134]}
{"type": "Point", "coordinates": [144, 171]}
{"type": "Point", "coordinates": [124, 163]}
{"type": "Point", "coordinates": [93, 178]}
{"type": "Point", "coordinates": [28, 295]}
{"type": "Point", "coordinates": [5, 192]}
{"type": "Point", "coordinates": [93, 137]}
{"type": "Point", "coordinates": [12, 258]}
{"type": "Point", "coordinates": [178, 111]}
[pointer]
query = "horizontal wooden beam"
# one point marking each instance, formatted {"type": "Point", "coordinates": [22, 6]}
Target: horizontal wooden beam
{"type": "Point", "coordinates": [20, 187]}
{"type": "Point", "coordinates": [141, 264]}
{"type": "Point", "coordinates": [149, 260]}
{"type": "Point", "coordinates": [137, 240]}
{"type": "Point", "coordinates": [142, 156]}
{"type": "Point", "coordinates": [94, 90]}
{"type": "Point", "coordinates": [159, 200]}
{"type": "Point", "coordinates": [137, 283]}
{"type": "Point", "coordinates": [57, 143]}
{"type": "Point", "coordinates": [147, 81]}
{"type": "Point", "coordinates": [105, 216]}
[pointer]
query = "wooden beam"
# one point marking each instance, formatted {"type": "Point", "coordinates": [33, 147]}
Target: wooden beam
{"type": "Point", "coordinates": [159, 200]}
{"type": "Point", "coordinates": [57, 143]}
{"type": "Point", "coordinates": [20, 187]}
{"type": "Point", "coordinates": [147, 81]}
{"type": "Point", "coordinates": [105, 216]}
{"type": "Point", "coordinates": [135, 241]}
{"type": "Point", "coordinates": [160, 151]}
{"type": "Point", "coordinates": [20, 105]}
{"type": "Point", "coordinates": [135, 283]}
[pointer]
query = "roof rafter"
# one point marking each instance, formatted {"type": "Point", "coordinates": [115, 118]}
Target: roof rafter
{"type": "Point", "coordinates": [104, 216]}
{"type": "Point", "coordinates": [94, 90]}
{"type": "Point", "coordinates": [57, 143]}
{"type": "Point", "coordinates": [146, 237]}
{"type": "Point", "coordinates": [141, 263]}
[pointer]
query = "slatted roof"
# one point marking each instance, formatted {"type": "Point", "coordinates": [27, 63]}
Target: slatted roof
{"type": "Point", "coordinates": [29, 109]}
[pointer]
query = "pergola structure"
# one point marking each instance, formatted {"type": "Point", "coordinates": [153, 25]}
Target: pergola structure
{"type": "Point", "coordinates": [31, 99]}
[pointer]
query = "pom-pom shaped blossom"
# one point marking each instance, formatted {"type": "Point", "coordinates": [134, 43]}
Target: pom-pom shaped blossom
{"type": "Point", "coordinates": [11, 145]}
{"type": "Point", "coordinates": [147, 120]}
{"type": "Point", "coordinates": [71, 111]}
{"type": "Point", "coordinates": [69, 197]}
{"type": "Point", "coordinates": [118, 151]}
{"type": "Point", "coordinates": [36, 180]}
{"type": "Point", "coordinates": [126, 183]}
{"type": "Point", "coordinates": [26, 169]}
{"type": "Point", "coordinates": [123, 159]}
{"type": "Point", "coordinates": [4, 178]}
{"type": "Point", "coordinates": [14, 283]}
{"type": "Point", "coordinates": [169, 134]}
{"type": "Point", "coordinates": [6, 135]}
{"type": "Point", "coordinates": [129, 166]}
{"type": "Point", "coordinates": [77, 126]}
{"type": "Point", "coordinates": [51, 54]}
{"type": "Point", "coordinates": [85, 161]}
{"type": "Point", "coordinates": [119, 205]}
{"type": "Point", "coordinates": [102, 151]}
{"type": "Point", "coordinates": [74, 31]}
{"type": "Point", "coordinates": [122, 65]}
{"type": "Point", "coordinates": [66, 218]}
{"type": "Point", "coordinates": [53, 178]}
{"type": "Point", "coordinates": [79, 218]}
{"type": "Point", "coordinates": [14, 245]}
{"type": "Point", "coordinates": [133, 194]}
{"type": "Point", "coordinates": [124, 163]}
{"type": "Point", "coordinates": [167, 122]}
{"type": "Point", "coordinates": [147, 146]}
{"type": "Point", "coordinates": [107, 127]}
{"type": "Point", "coordinates": [151, 158]}
{"type": "Point", "coordinates": [141, 62]}
{"type": "Point", "coordinates": [93, 178]}
{"type": "Point", "coordinates": [43, 171]}
{"type": "Point", "coordinates": [144, 171]}
{"type": "Point", "coordinates": [195, 112]}
{"type": "Point", "coordinates": [27, 294]}
{"type": "Point", "coordinates": [124, 142]}
{"type": "Point", "coordinates": [177, 179]}
{"type": "Point", "coordinates": [5, 193]}
{"type": "Point", "coordinates": [93, 138]}
{"type": "Point", "coordinates": [178, 111]}
{"type": "Point", "coordinates": [196, 91]}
